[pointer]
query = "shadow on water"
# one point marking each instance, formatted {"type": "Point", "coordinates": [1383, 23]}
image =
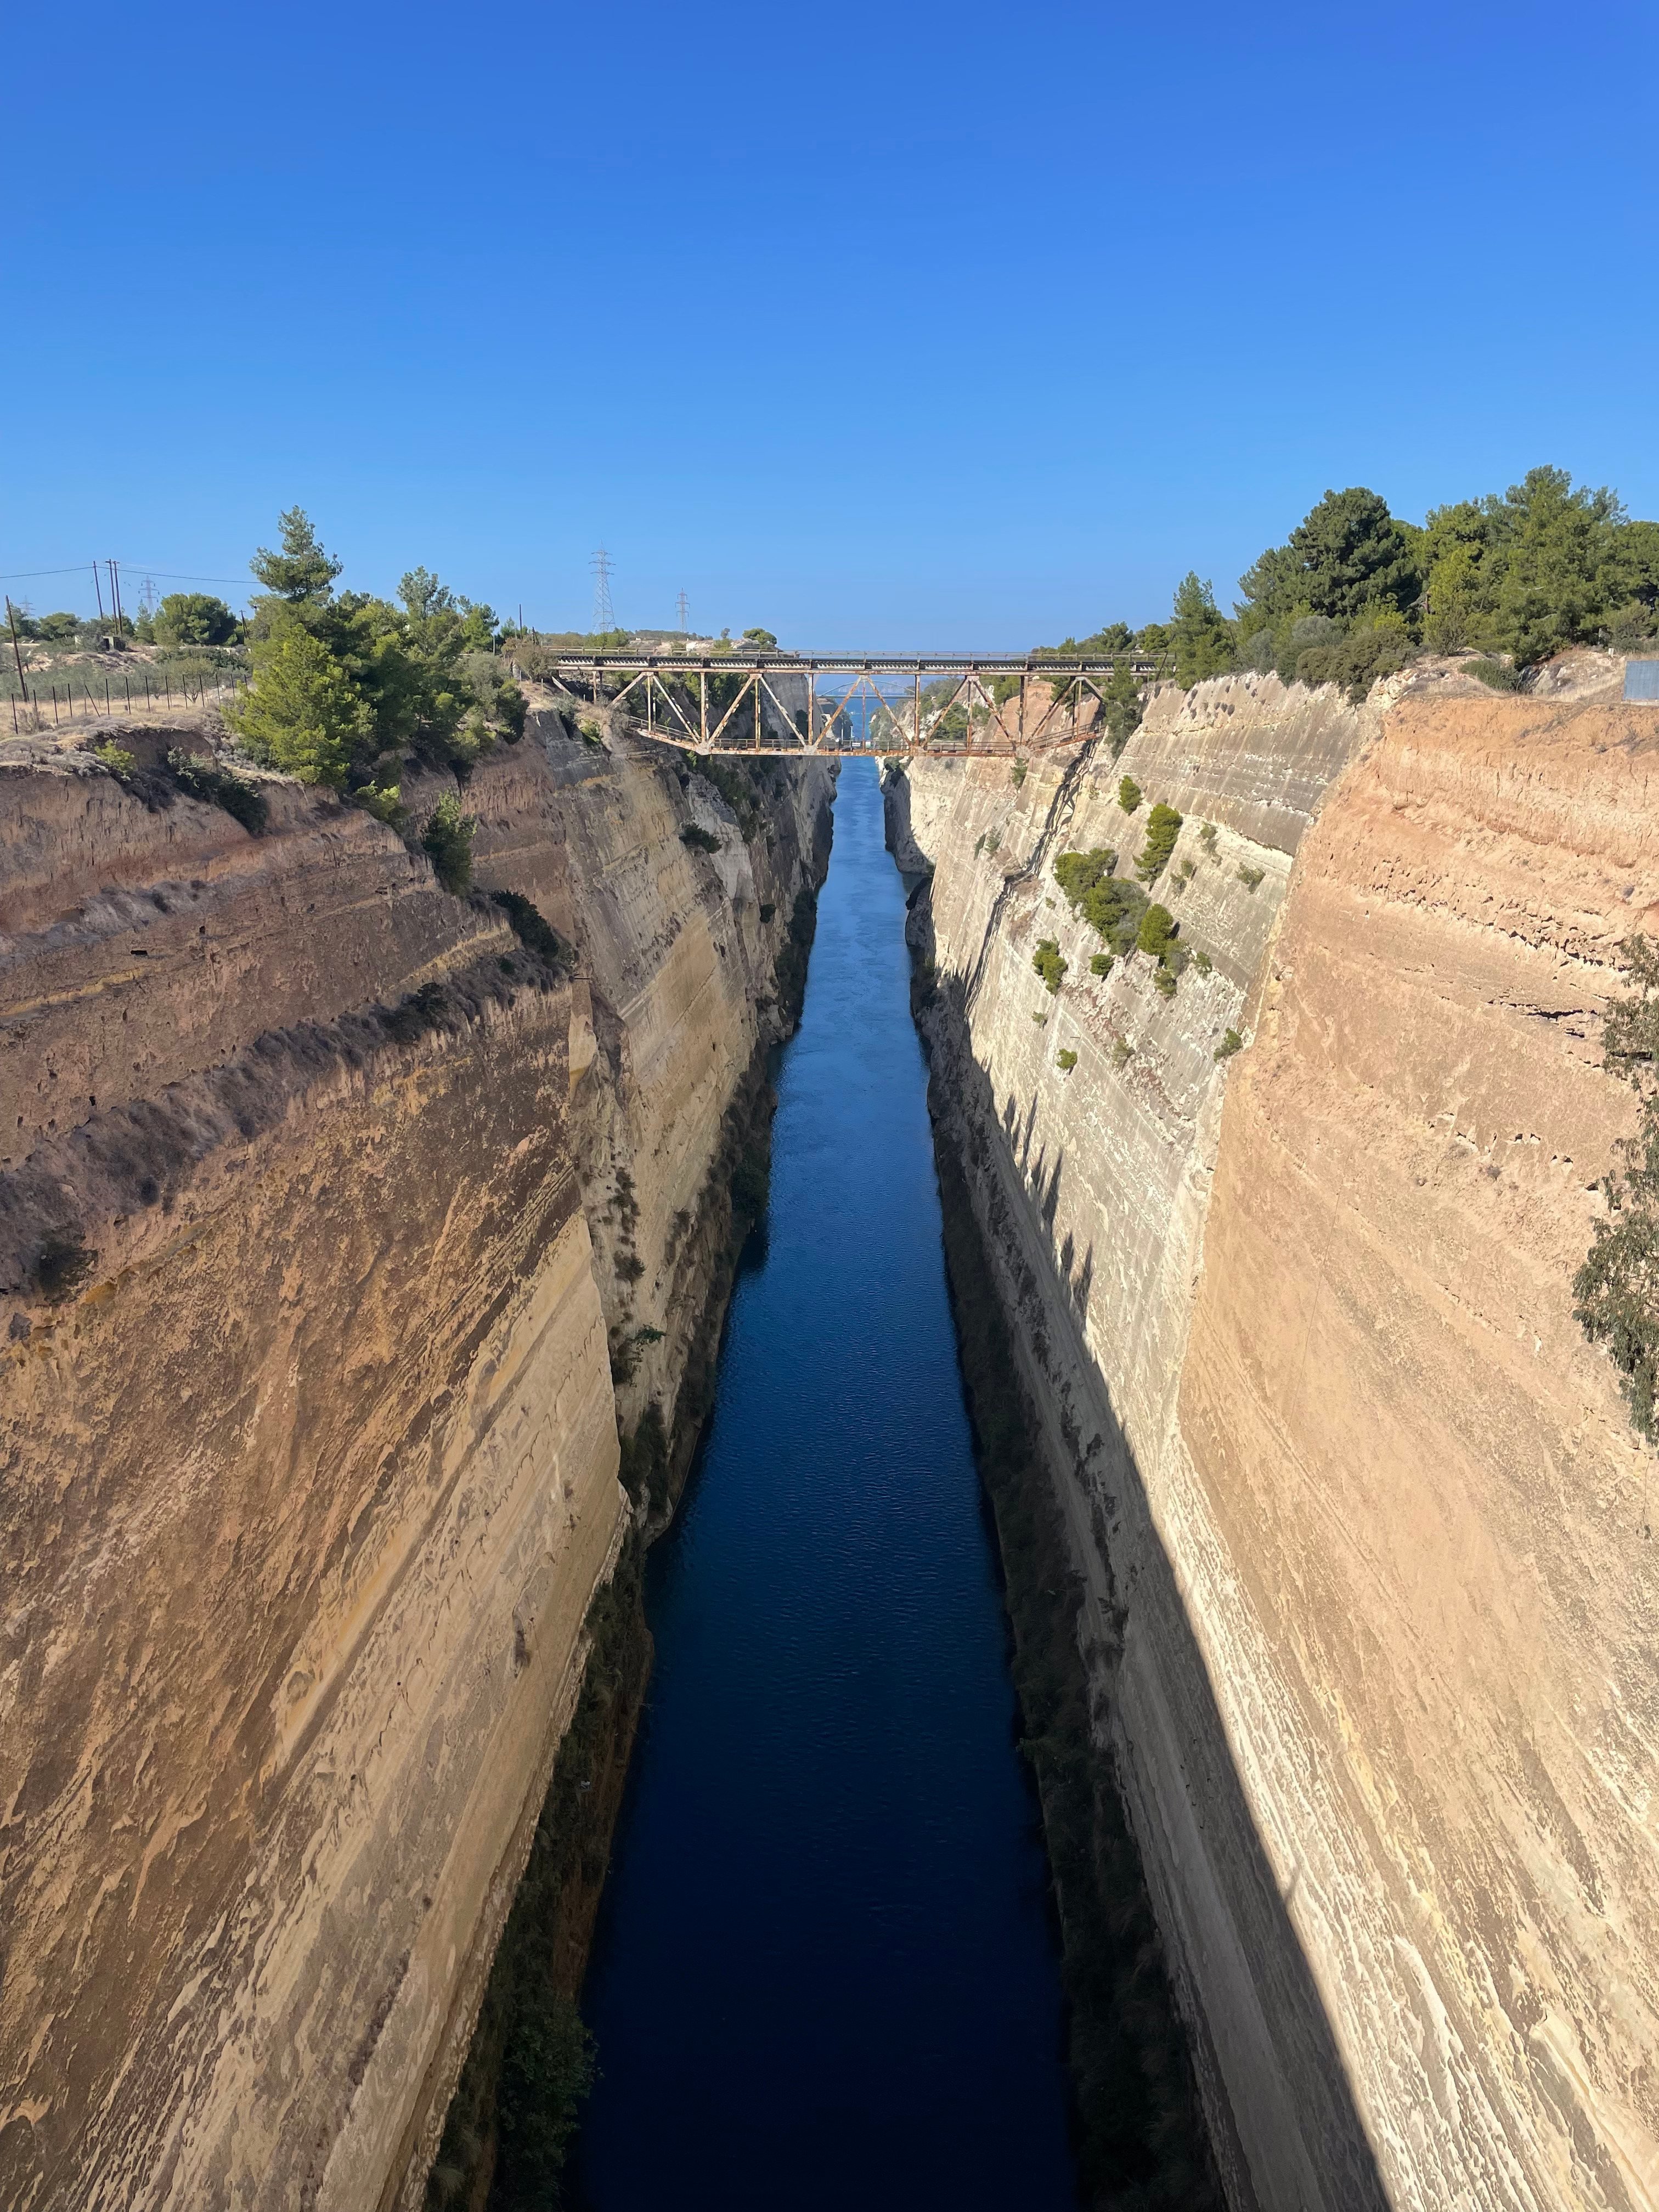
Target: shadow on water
{"type": "Point", "coordinates": [825, 1971]}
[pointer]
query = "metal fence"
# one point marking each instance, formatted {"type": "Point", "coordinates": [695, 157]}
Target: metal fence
{"type": "Point", "coordinates": [111, 697]}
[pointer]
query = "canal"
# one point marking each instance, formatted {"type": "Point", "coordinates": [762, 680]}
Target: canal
{"type": "Point", "coordinates": [825, 1973]}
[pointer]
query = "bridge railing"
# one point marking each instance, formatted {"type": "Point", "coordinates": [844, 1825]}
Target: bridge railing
{"type": "Point", "coordinates": [674, 695]}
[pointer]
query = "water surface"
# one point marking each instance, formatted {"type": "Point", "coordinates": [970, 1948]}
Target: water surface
{"type": "Point", "coordinates": [825, 1973]}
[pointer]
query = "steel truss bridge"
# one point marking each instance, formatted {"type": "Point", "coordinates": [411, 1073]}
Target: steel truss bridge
{"type": "Point", "coordinates": [671, 695]}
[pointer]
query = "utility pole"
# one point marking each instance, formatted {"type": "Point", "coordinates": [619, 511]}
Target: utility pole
{"type": "Point", "coordinates": [99, 588]}
{"type": "Point", "coordinates": [683, 610]}
{"type": "Point", "coordinates": [115, 597]}
{"type": "Point", "coordinates": [603, 615]}
{"type": "Point", "coordinates": [11, 625]}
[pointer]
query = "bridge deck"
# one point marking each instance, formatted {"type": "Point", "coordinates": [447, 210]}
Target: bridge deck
{"type": "Point", "coordinates": [964, 709]}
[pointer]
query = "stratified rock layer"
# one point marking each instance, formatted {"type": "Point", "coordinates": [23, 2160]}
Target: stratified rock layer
{"type": "Point", "coordinates": [1367, 1535]}
{"type": "Point", "coordinates": [308, 1432]}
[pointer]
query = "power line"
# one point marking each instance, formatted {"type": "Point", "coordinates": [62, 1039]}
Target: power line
{"type": "Point", "coordinates": [178, 576]}
{"type": "Point", "coordinates": [170, 575]}
{"type": "Point", "coordinates": [17, 574]}
{"type": "Point", "coordinates": [603, 616]}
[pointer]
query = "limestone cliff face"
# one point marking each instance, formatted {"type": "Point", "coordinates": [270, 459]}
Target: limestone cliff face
{"type": "Point", "coordinates": [306, 1419]}
{"type": "Point", "coordinates": [1370, 1588]}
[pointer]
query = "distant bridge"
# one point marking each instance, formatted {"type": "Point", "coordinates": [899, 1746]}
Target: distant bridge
{"type": "Point", "coordinates": [970, 700]}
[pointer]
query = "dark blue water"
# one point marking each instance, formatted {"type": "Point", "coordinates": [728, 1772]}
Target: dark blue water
{"type": "Point", "coordinates": [825, 1973]}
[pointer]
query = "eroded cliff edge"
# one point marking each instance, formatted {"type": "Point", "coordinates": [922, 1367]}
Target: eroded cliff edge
{"type": "Point", "coordinates": [328, 1208]}
{"type": "Point", "coordinates": [1365, 1528]}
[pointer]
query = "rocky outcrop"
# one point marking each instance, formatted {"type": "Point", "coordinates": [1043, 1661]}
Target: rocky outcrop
{"type": "Point", "coordinates": [329, 1207]}
{"type": "Point", "coordinates": [1364, 1529]}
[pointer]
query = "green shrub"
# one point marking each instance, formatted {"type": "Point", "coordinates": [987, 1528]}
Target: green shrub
{"type": "Point", "coordinates": [118, 759]}
{"type": "Point", "coordinates": [1049, 964]}
{"type": "Point", "coordinates": [1123, 705]}
{"type": "Point", "coordinates": [303, 714]}
{"type": "Point", "coordinates": [1122, 1052]}
{"type": "Point", "coordinates": [1206, 837]}
{"type": "Point", "coordinates": [413, 1016]}
{"type": "Point", "coordinates": [1202, 962]}
{"type": "Point", "coordinates": [1230, 1043]}
{"type": "Point", "coordinates": [383, 800]}
{"type": "Point", "coordinates": [1163, 982]}
{"type": "Point", "coordinates": [529, 925]}
{"type": "Point", "coordinates": [1616, 1290]}
{"type": "Point", "coordinates": [1163, 828]}
{"type": "Point", "coordinates": [512, 709]}
{"type": "Point", "coordinates": [1157, 935]}
{"type": "Point", "coordinates": [194, 618]}
{"type": "Point", "coordinates": [1076, 873]}
{"type": "Point", "coordinates": [700, 840]}
{"type": "Point", "coordinates": [201, 778]}
{"type": "Point", "coordinates": [1356, 662]}
{"type": "Point", "coordinates": [1496, 674]}
{"type": "Point", "coordinates": [1100, 963]}
{"type": "Point", "coordinates": [1250, 876]}
{"type": "Point", "coordinates": [446, 841]}
{"type": "Point", "coordinates": [591, 733]}
{"type": "Point", "coordinates": [1066, 1062]}
{"type": "Point", "coordinates": [1017, 774]}
{"type": "Point", "coordinates": [1112, 908]}
{"type": "Point", "coordinates": [625, 1350]}
{"type": "Point", "coordinates": [1128, 794]}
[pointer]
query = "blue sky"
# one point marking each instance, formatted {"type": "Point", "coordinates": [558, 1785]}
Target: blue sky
{"type": "Point", "coordinates": [897, 324]}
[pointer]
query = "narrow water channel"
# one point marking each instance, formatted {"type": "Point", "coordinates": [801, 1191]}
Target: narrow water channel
{"type": "Point", "coordinates": [825, 1973]}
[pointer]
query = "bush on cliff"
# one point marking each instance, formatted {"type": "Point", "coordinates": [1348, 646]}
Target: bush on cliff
{"type": "Point", "coordinates": [302, 714]}
{"type": "Point", "coordinates": [1076, 873]}
{"type": "Point", "coordinates": [530, 926]}
{"type": "Point", "coordinates": [447, 841]}
{"type": "Point", "coordinates": [1112, 907]}
{"type": "Point", "coordinates": [1616, 1290]}
{"type": "Point", "coordinates": [198, 777]}
{"type": "Point", "coordinates": [1123, 706]}
{"type": "Point", "coordinates": [1163, 828]}
{"type": "Point", "coordinates": [1049, 964]}
{"type": "Point", "coordinates": [1497, 675]}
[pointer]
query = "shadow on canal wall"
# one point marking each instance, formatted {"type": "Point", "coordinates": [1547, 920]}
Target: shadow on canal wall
{"type": "Point", "coordinates": [1145, 1812]}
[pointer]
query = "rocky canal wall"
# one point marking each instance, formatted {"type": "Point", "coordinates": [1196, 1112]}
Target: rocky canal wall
{"type": "Point", "coordinates": [330, 1207]}
{"type": "Point", "coordinates": [1364, 1527]}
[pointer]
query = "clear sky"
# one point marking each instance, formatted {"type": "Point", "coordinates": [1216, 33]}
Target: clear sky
{"type": "Point", "coordinates": [885, 323]}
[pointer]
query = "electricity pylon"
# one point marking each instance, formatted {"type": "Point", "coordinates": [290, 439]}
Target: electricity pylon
{"type": "Point", "coordinates": [604, 616]}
